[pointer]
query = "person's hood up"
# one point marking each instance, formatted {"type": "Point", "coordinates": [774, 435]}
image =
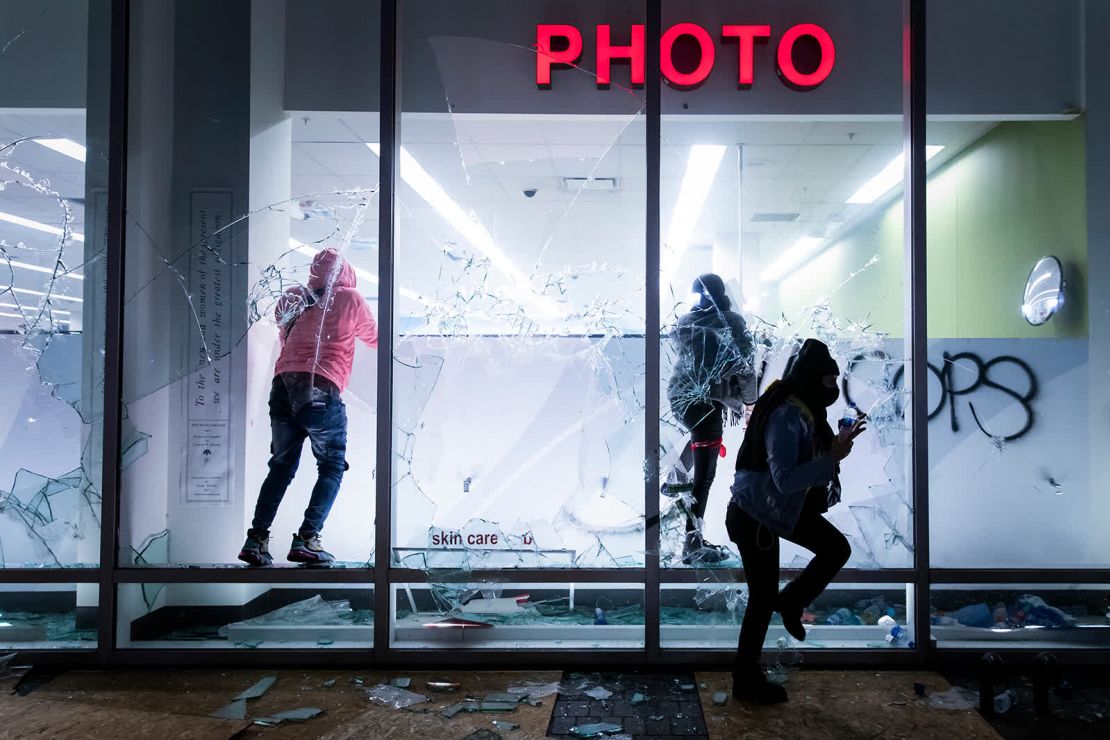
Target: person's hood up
{"type": "Point", "coordinates": [322, 266]}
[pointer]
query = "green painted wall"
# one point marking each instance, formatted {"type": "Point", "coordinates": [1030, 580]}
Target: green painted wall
{"type": "Point", "coordinates": [1015, 195]}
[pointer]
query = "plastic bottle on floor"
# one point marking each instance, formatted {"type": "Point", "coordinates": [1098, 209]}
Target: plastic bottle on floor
{"type": "Point", "coordinates": [895, 631]}
{"type": "Point", "coordinates": [841, 616]}
{"type": "Point", "coordinates": [1005, 701]}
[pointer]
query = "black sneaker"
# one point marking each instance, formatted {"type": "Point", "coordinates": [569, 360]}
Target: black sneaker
{"type": "Point", "coordinates": [256, 550]}
{"type": "Point", "coordinates": [306, 548]}
{"type": "Point", "coordinates": [791, 616]}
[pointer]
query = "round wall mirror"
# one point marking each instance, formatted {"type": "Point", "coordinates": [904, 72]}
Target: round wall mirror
{"type": "Point", "coordinates": [1044, 291]}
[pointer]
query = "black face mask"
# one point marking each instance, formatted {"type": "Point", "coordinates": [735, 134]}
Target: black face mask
{"type": "Point", "coordinates": [828, 396]}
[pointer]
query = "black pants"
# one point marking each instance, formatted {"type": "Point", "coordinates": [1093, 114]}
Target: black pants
{"type": "Point", "coordinates": [759, 549]}
{"type": "Point", "coordinates": [706, 423]}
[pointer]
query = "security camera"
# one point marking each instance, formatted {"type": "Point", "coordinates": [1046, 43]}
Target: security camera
{"type": "Point", "coordinates": [530, 192]}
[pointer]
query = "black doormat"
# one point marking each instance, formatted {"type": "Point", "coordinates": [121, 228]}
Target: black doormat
{"type": "Point", "coordinates": [644, 705]}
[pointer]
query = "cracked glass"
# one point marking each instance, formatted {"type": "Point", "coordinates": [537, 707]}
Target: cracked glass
{"type": "Point", "coordinates": [457, 615]}
{"type": "Point", "coordinates": [518, 377]}
{"type": "Point", "coordinates": [53, 202]}
{"type": "Point", "coordinates": [787, 199]}
{"type": "Point", "coordinates": [251, 285]}
{"type": "Point", "coordinates": [47, 616]}
{"type": "Point", "coordinates": [245, 616]}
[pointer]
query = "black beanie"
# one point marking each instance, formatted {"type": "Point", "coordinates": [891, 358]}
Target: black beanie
{"type": "Point", "coordinates": [712, 291]}
{"type": "Point", "coordinates": [811, 363]}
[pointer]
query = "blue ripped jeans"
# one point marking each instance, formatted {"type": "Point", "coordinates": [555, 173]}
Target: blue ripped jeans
{"type": "Point", "coordinates": [303, 406]}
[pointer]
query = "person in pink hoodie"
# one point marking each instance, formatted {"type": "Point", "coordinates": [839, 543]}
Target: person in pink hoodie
{"type": "Point", "coordinates": [319, 325]}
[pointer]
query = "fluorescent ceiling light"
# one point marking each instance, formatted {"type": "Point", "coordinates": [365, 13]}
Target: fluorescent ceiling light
{"type": "Point", "coordinates": [802, 249]}
{"type": "Point", "coordinates": [47, 270]}
{"type": "Point", "coordinates": [368, 276]}
{"type": "Point", "coordinates": [67, 147]}
{"type": "Point", "coordinates": [701, 170]}
{"type": "Point", "coordinates": [889, 177]}
{"type": "Point", "coordinates": [38, 226]}
{"type": "Point", "coordinates": [25, 308]}
{"type": "Point", "coordinates": [28, 291]}
{"type": "Point", "coordinates": [426, 186]}
{"type": "Point", "coordinates": [18, 316]}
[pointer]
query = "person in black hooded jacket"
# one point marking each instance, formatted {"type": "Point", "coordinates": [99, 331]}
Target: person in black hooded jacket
{"type": "Point", "coordinates": [714, 362]}
{"type": "Point", "coordinates": [787, 476]}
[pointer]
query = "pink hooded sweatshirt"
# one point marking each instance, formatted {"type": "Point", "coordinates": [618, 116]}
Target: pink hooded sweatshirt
{"type": "Point", "coordinates": [338, 325]}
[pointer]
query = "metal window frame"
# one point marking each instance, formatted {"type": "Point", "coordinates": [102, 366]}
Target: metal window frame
{"type": "Point", "coordinates": [110, 576]}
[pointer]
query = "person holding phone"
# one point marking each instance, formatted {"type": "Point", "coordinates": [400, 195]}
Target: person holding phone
{"type": "Point", "coordinates": [787, 477]}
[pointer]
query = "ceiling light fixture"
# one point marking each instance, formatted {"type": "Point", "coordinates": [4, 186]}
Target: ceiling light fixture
{"type": "Point", "coordinates": [39, 268]}
{"type": "Point", "coordinates": [888, 178]}
{"type": "Point", "coordinates": [68, 147]}
{"type": "Point", "coordinates": [701, 170]}
{"type": "Point", "coordinates": [38, 226]}
{"type": "Point", "coordinates": [24, 308]}
{"type": "Point", "coordinates": [426, 186]}
{"type": "Point", "coordinates": [52, 296]}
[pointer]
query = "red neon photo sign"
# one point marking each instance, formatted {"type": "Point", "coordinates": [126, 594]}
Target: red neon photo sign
{"type": "Point", "coordinates": [568, 39]}
{"type": "Point", "coordinates": [666, 54]}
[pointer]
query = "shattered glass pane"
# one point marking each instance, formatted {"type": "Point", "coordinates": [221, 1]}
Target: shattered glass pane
{"type": "Point", "coordinates": [244, 184]}
{"type": "Point", "coordinates": [53, 185]}
{"type": "Point", "coordinates": [795, 262]}
{"type": "Point", "coordinates": [519, 360]}
{"type": "Point", "coordinates": [245, 616]}
{"type": "Point", "coordinates": [461, 615]}
{"type": "Point", "coordinates": [47, 616]}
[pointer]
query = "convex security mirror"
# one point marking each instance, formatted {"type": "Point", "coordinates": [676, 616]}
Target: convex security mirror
{"type": "Point", "coordinates": [1044, 291]}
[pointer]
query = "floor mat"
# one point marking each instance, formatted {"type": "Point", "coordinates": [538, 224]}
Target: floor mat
{"type": "Point", "coordinates": [643, 705]}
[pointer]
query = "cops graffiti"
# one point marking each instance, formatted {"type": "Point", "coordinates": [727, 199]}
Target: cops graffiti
{"type": "Point", "coordinates": [952, 377]}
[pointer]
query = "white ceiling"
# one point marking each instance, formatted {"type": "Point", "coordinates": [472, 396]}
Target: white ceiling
{"type": "Point", "coordinates": [485, 162]}
{"type": "Point", "coordinates": [594, 237]}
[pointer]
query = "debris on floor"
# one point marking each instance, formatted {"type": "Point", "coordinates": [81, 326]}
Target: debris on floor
{"type": "Point", "coordinates": [596, 729]}
{"type": "Point", "coordinates": [290, 715]}
{"type": "Point", "coordinates": [393, 697]}
{"type": "Point", "coordinates": [488, 705]}
{"type": "Point", "coordinates": [956, 698]}
{"type": "Point", "coordinates": [258, 690]}
{"type": "Point", "coordinates": [235, 710]}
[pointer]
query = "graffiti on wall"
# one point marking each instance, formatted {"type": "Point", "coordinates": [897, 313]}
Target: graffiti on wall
{"type": "Point", "coordinates": [960, 377]}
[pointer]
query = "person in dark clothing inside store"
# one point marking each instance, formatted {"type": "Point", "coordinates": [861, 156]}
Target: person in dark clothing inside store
{"type": "Point", "coordinates": [319, 325]}
{"type": "Point", "coordinates": [713, 367]}
{"type": "Point", "coordinates": [787, 476]}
